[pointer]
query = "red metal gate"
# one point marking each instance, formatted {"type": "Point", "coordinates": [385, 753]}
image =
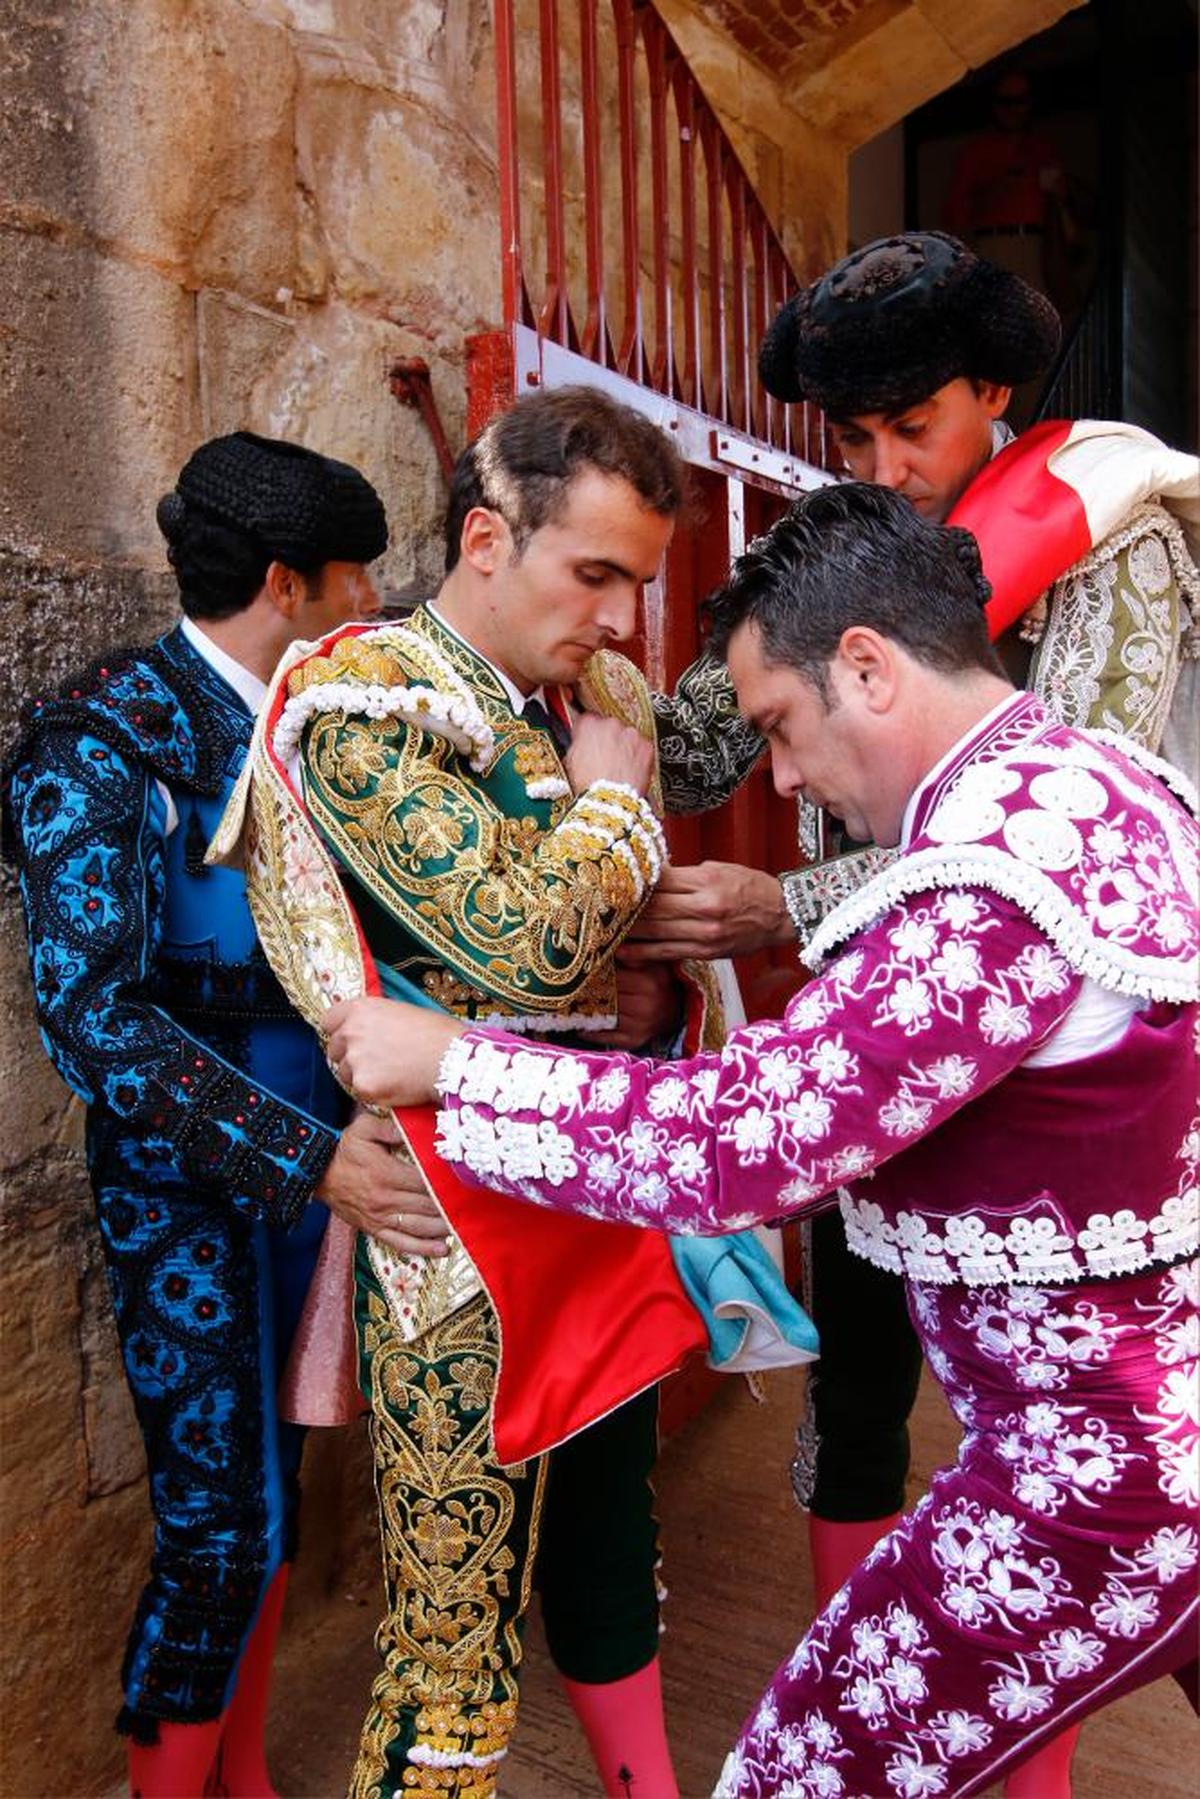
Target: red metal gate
{"type": "Point", "coordinates": [674, 334]}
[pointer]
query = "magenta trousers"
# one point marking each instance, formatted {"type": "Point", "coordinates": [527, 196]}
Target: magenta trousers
{"type": "Point", "coordinates": [1050, 1570]}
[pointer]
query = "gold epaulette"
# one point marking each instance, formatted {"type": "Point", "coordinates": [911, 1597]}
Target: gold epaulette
{"type": "Point", "coordinates": [369, 659]}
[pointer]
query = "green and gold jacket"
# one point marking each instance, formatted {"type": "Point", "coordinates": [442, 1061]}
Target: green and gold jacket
{"type": "Point", "coordinates": [476, 874]}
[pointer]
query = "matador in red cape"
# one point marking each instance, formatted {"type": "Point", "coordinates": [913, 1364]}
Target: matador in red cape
{"type": "Point", "coordinates": [457, 808]}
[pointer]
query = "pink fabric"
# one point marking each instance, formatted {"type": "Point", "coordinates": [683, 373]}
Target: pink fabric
{"type": "Point", "coordinates": [1047, 1774]}
{"type": "Point", "coordinates": [627, 1733]}
{"type": "Point", "coordinates": [320, 1382]}
{"type": "Point", "coordinates": [838, 1548]}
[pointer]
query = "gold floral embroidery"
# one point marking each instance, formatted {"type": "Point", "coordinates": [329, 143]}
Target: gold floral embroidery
{"type": "Point", "coordinates": [450, 1642]}
{"type": "Point", "coordinates": [446, 990]}
{"type": "Point", "coordinates": [432, 834]}
{"type": "Point", "coordinates": [474, 1379]}
{"type": "Point", "coordinates": [477, 874]}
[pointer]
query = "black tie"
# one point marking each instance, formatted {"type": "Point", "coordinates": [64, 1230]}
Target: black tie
{"type": "Point", "coordinates": [545, 720]}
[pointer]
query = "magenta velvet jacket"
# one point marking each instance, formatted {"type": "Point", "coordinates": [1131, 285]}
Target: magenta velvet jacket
{"type": "Point", "coordinates": [1038, 858]}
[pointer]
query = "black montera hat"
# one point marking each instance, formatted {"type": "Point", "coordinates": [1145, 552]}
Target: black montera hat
{"type": "Point", "coordinates": [300, 508]}
{"type": "Point", "coordinates": [894, 321]}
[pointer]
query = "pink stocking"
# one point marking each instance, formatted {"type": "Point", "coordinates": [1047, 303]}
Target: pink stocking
{"type": "Point", "coordinates": [241, 1770]}
{"type": "Point", "coordinates": [627, 1733]}
{"type": "Point", "coordinates": [178, 1765]}
{"type": "Point", "coordinates": [837, 1549]}
{"type": "Point", "coordinates": [1047, 1773]}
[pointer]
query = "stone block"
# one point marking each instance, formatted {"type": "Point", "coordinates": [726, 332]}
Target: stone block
{"type": "Point", "coordinates": [61, 613]}
{"type": "Point", "coordinates": [859, 90]}
{"type": "Point", "coordinates": [328, 387]}
{"type": "Point", "coordinates": [163, 132]}
{"type": "Point", "coordinates": [404, 205]}
{"type": "Point", "coordinates": [235, 341]}
{"type": "Point", "coordinates": [97, 390]}
{"type": "Point", "coordinates": [112, 1441]}
{"type": "Point", "coordinates": [979, 32]}
{"type": "Point", "coordinates": [38, 1110]}
{"type": "Point", "coordinates": [69, 1580]}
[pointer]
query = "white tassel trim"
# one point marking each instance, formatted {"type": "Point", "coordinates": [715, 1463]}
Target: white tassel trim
{"type": "Point", "coordinates": [454, 717]}
{"type": "Point", "coordinates": [427, 1757]}
{"type": "Point", "coordinates": [1118, 969]}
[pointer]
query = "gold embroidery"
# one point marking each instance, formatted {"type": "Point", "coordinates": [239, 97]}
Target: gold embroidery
{"type": "Point", "coordinates": [523, 914]}
{"type": "Point", "coordinates": [450, 1643]}
{"type": "Point", "coordinates": [612, 686]}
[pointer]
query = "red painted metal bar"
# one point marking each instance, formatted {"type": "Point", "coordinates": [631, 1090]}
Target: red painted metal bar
{"type": "Point", "coordinates": [789, 433]}
{"type": "Point", "coordinates": [685, 112]}
{"type": "Point", "coordinates": [763, 422]}
{"type": "Point", "coordinates": [516, 301]}
{"type": "Point", "coordinates": [553, 317]}
{"type": "Point", "coordinates": [713, 140]}
{"type": "Point", "coordinates": [740, 402]}
{"type": "Point", "coordinates": [711, 305]}
{"type": "Point", "coordinates": [662, 362]}
{"type": "Point", "coordinates": [594, 341]}
{"type": "Point", "coordinates": [631, 355]}
{"type": "Point", "coordinates": [410, 384]}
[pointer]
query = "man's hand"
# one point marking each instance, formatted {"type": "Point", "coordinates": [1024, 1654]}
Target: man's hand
{"type": "Point", "coordinates": [649, 1006]}
{"type": "Point", "coordinates": [375, 1188]}
{"type": "Point", "coordinates": [385, 1052]}
{"type": "Point", "coordinates": [714, 909]}
{"type": "Point", "coordinates": [603, 749]}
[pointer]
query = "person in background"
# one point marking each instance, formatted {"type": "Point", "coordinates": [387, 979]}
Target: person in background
{"type": "Point", "coordinates": [215, 1139]}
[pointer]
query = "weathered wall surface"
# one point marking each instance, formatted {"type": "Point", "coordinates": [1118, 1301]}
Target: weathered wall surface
{"type": "Point", "coordinates": [215, 213]}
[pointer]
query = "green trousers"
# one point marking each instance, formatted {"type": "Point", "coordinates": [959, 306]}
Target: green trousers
{"type": "Point", "coordinates": [465, 1542]}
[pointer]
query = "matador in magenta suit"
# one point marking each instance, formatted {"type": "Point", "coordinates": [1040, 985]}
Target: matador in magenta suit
{"type": "Point", "coordinates": [1088, 535]}
{"type": "Point", "coordinates": [993, 1076]}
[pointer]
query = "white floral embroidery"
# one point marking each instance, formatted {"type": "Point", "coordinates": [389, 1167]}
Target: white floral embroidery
{"type": "Point", "coordinates": [1115, 902]}
{"type": "Point", "coordinates": [1019, 1697]}
{"type": "Point", "coordinates": [988, 1572]}
{"type": "Point", "coordinates": [1173, 1428]}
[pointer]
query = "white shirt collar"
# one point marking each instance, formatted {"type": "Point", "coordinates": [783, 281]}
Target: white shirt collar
{"type": "Point", "coordinates": [249, 689]}
{"type": "Point", "coordinates": [943, 762]}
{"type": "Point", "coordinates": [517, 699]}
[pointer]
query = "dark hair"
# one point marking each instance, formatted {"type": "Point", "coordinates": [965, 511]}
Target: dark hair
{"type": "Point", "coordinates": [856, 554]}
{"type": "Point", "coordinates": [243, 501]}
{"type": "Point", "coordinates": [219, 568]}
{"type": "Point", "coordinates": [523, 463]}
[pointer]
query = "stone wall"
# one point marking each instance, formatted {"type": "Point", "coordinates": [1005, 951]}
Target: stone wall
{"type": "Point", "coordinates": [217, 213]}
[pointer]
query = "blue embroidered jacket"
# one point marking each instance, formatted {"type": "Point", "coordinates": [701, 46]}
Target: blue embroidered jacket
{"type": "Point", "coordinates": [154, 999]}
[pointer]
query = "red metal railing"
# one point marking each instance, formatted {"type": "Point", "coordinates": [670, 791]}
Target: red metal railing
{"type": "Point", "coordinates": [701, 270]}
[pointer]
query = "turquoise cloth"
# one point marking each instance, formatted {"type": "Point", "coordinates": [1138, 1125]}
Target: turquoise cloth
{"type": "Point", "coordinates": [752, 1320]}
{"type": "Point", "coordinates": [395, 986]}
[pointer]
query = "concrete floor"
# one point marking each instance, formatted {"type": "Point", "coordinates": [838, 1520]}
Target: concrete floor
{"type": "Point", "coordinates": [736, 1564]}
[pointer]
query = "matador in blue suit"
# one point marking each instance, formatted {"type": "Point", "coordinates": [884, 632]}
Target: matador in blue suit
{"type": "Point", "coordinates": [214, 1128]}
